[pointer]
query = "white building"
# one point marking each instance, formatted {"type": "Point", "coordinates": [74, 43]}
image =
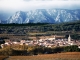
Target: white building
{"type": "Point", "coordinates": [69, 39]}
{"type": "Point", "coordinates": [22, 42]}
{"type": "Point", "coordinates": [2, 45]}
{"type": "Point", "coordinates": [78, 46]}
{"type": "Point", "coordinates": [51, 39]}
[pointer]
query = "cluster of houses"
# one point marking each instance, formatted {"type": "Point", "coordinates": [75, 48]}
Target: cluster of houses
{"type": "Point", "coordinates": [47, 42]}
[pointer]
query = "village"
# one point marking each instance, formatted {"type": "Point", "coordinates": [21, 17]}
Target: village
{"type": "Point", "coordinates": [47, 42]}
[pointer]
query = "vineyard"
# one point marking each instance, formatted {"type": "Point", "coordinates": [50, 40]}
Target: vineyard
{"type": "Point", "coordinates": [58, 56]}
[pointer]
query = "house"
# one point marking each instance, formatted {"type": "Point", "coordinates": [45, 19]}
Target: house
{"type": "Point", "coordinates": [22, 42]}
{"type": "Point", "coordinates": [2, 45]}
{"type": "Point", "coordinates": [79, 46]}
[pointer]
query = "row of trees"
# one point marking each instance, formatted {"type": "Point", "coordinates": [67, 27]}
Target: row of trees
{"type": "Point", "coordinates": [24, 28]}
{"type": "Point", "coordinates": [35, 50]}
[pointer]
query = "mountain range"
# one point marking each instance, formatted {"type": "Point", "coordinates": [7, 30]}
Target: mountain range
{"type": "Point", "coordinates": [41, 16]}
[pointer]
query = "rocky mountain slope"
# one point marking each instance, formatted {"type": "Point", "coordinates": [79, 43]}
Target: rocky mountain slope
{"type": "Point", "coordinates": [44, 16]}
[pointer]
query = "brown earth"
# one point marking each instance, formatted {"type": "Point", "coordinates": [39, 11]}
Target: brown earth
{"type": "Point", "coordinates": [58, 56]}
{"type": "Point", "coordinates": [3, 57]}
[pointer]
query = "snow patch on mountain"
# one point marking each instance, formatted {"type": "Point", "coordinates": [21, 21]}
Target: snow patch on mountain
{"type": "Point", "coordinates": [44, 16]}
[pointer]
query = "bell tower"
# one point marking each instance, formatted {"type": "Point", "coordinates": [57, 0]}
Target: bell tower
{"type": "Point", "coordinates": [69, 38]}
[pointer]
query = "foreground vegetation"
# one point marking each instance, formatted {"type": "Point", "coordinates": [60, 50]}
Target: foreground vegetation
{"type": "Point", "coordinates": [35, 50]}
{"type": "Point", "coordinates": [58, 56]}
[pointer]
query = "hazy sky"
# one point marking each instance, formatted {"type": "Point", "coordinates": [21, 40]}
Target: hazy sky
{"type": "Point", "coordinates": [15, 5]}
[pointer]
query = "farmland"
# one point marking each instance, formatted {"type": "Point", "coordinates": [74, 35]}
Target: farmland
{"type": "Point", "coordinates": [2, 57]}
{"type": "Point", "coordinates": [57, 56]}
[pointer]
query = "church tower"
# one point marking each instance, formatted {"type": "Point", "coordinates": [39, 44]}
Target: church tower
{"type": "Point", "coordinates": [69, 39]}
{"type": "Point", "coordinates": [54, 37]}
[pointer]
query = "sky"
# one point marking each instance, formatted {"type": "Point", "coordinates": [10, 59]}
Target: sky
{"type": "Point", "coordinates": [23, 5]}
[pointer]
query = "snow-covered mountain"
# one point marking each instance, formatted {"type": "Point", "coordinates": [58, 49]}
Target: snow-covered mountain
{"type": "Point", "coordinates": [18, 17]}
{"type": "Point", "coordinates": [4, 16]}
{"type": "Point", "coordinates": [45, 16]}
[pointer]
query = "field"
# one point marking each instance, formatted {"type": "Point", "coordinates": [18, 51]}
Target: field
{"type": "Point", "coordinates": [33, 37]}
{"type": "Point", "coordinates": [58, 56]}
{"type": "Point", "coordinates": [3, 57]}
